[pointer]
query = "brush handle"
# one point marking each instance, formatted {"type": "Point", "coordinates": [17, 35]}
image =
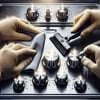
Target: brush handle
{"type": "Point", "coordinates": [77, 34]}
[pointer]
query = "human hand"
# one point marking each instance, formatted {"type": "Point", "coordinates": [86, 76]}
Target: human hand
{"type": "Point", "coordinates": [87, 15]}
{"type": "Point", "coordinates": [13, 59]}
{"type": "Point", "coordinates": [92, 60]}
{"type": "Point", "coordinates": [9, 27]}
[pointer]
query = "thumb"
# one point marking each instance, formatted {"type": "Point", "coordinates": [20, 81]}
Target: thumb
{"type": "Point", "coordinates": [23, 64]}
{"type": "Point", "coordinates": [88, 30]}
{"type": "Point", "coordinates": [91, 49]}
{"type": "Point", "coordinates": [88, 63]}
{"type": "Point", "coordinates": [80, 22]}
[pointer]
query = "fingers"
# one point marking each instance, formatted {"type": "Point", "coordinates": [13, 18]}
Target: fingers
{"type": "Point", "coordinates": [81, 22]}
{"type": "Point", "coordinates": [29, 27]}
{"type": "Point", "coordinates": [18, 46]}
{"type": "Point", "coordinates": [5, 46]}
{"type": "Point", "coordinates": [25, 51]}
{"type": "Point", "coordinates": [10, 45]}
{"type": "Point", "coordinates": [21, 36]}
{"type": "Point", "coordinates": [23, 64]}
{"type": "Point", "coordinates": [91, 49]}
{"type": "Point", "coordinates": [15, 46]}
{"type": "Point", "coordinates": [89, 63]}
{"type": "Point", "coordinates": [77, 18]}
{"type": "Point", "coordinates": [88, 30]}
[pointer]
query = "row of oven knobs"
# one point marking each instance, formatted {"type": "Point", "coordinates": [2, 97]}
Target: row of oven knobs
{"type": "Point", "coordinates": [40, 81]}
{"type": "Point", "coordinates": [51, 61]}
{"type": "Point", "coordinates": [32, 15]}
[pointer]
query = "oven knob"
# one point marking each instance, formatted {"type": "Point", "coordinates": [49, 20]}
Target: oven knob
{"type": "Point", "coordinates": [61, 79]}
{"type": "Point", "coordinates": [32, 15]}
{"type": "Point", "coordinates": [73, 62]}
{"type": "Point", "coordinates": [80, 86]}
{"type": "Point", "coordinates": [18, 85]}
{"type": "Point", "coordinates": [62, 14]}
{"type": "Point", "coordinates": [40, 79]}
{"type": "Point", "coordinates": [51, 60]}
{"type": "Point", "coordinates": [48, 16]}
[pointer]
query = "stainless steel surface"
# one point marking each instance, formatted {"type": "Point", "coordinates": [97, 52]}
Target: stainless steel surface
{"type": "Point", "coordinates": [50, 28]}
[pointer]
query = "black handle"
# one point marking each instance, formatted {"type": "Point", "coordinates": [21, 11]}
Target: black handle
{"type": "Point", "coordinates": [75, 35]}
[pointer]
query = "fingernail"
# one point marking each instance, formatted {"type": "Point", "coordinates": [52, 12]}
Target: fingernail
{"type": "Point", "coordinates": [71, 30]}
{"type": "Point", "coordinates": [28, 22]}
{"type": "Point", "coordinates": [39, 31]}
{"type": "Point", "coordinates": [29, 38]}
{"type": "Point", "coordinates": [35, 51]}
{"type": "Point", "coordinates": [82, 34]}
